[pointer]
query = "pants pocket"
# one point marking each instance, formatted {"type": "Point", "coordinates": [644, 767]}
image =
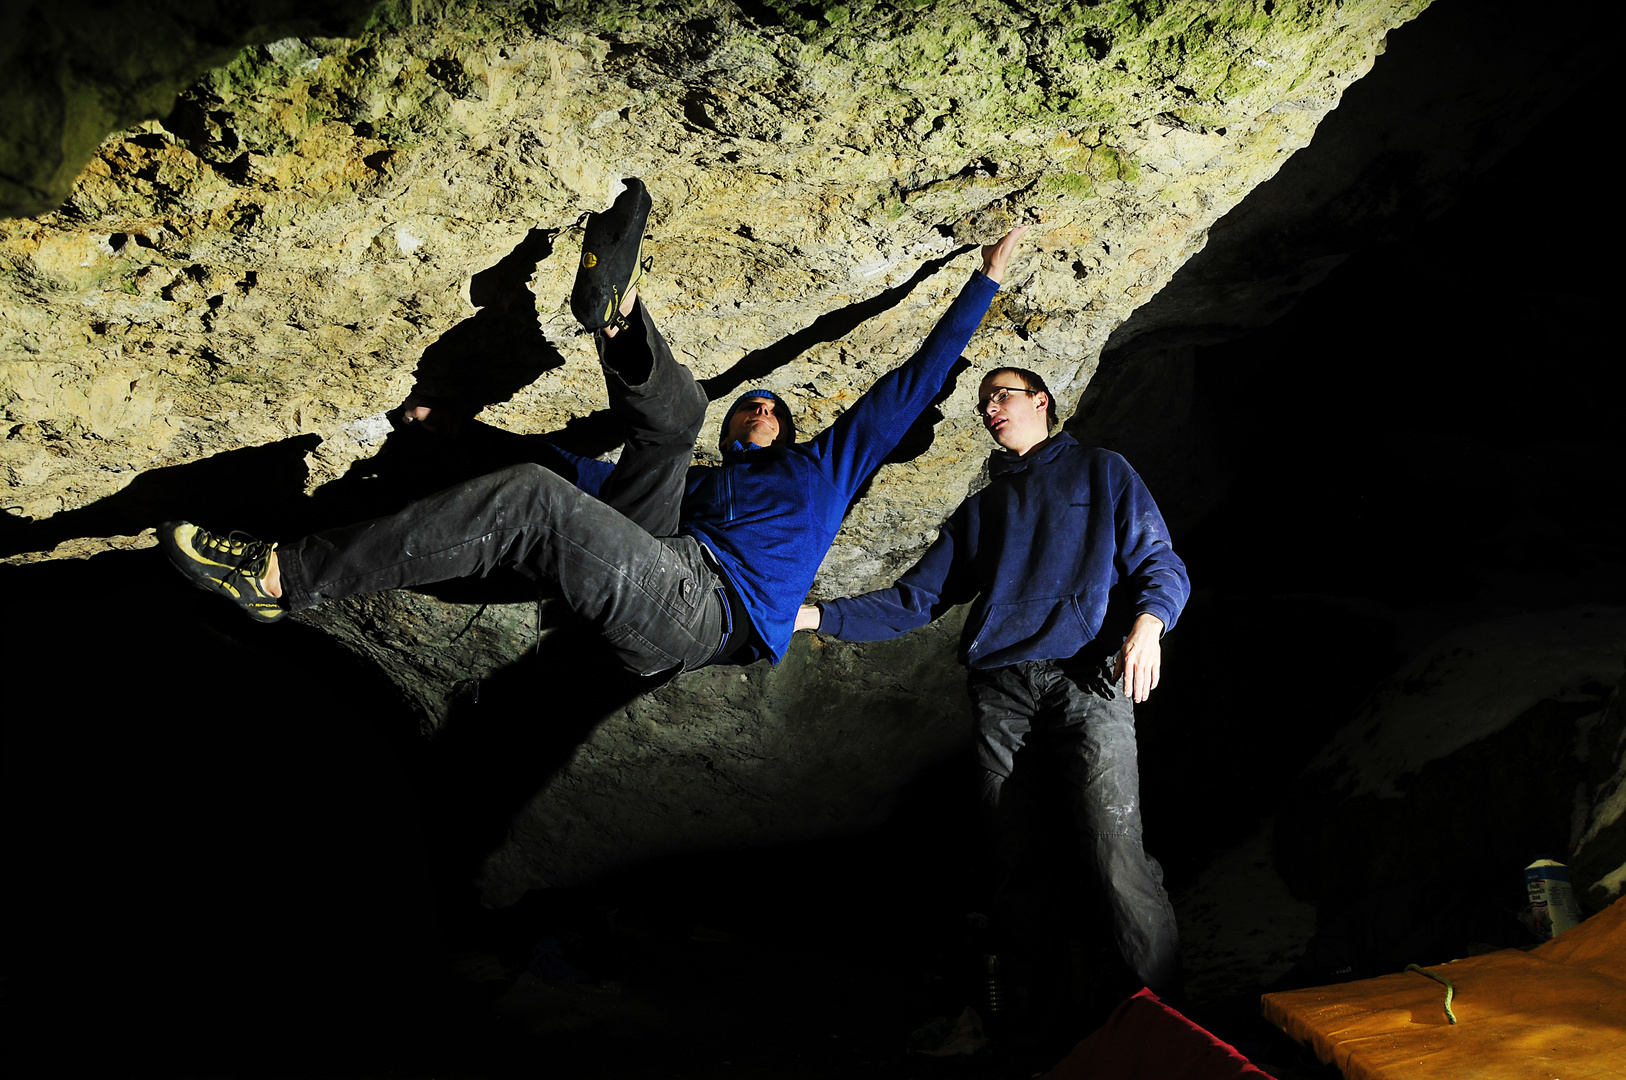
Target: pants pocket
{"type": "Point", "coordinates": [638, 654]}
{"type": "Point", "coordinates": [672, 583]}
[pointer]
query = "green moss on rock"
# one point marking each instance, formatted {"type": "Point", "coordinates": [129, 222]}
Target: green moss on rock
{"type": "Point", "coordinates": [1071, 184]}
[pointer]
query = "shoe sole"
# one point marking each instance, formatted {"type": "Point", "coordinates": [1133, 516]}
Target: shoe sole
{"type": "Point", "coordinates": [605, 274]}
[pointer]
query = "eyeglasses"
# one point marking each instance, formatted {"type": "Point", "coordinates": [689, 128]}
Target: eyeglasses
{"type": "Point", "coordinates": [1000, 395]}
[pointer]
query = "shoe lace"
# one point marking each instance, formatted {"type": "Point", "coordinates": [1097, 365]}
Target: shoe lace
{"type": "Point", "coordinates": [253, 555]}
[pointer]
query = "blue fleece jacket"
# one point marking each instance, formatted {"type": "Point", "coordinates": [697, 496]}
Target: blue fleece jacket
{"type": "Point", "coordinates": [770, 514]}
{"type": "Point", "coordinates": [1042, 549]}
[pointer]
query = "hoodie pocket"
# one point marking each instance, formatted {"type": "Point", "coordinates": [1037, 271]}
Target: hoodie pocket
{"type": "Point", "coordinates": [1052, 620]}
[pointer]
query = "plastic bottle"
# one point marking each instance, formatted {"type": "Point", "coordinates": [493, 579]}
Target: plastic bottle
{"type": "Point", "coordinates": [1552, 898]}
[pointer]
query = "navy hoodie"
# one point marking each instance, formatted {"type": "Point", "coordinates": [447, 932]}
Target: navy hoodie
{"type": "Point", "coordinates": [770, 514]}
{"type": "Point", "coordinates": [1042, 549]}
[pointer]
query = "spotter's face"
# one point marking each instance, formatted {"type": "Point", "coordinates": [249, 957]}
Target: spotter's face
{"type": "Point", "coordinates": [1016, 416]}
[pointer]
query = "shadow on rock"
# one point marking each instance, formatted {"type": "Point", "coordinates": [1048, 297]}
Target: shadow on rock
{"type": "Point", "coordinates": [221, 806]}
{"type": "Point", "coordinates": [482, 361]}
{"type": "Point", "coordinates": [507, 735]}
{"type": "Point", "coordinates": [831, 326]}
{"type": "Point", "coordinates": [500, 350]}
{"type": "Point", "coordinates": [258, 487]}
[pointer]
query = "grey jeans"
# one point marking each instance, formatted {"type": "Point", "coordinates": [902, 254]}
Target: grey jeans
{"type": "Point", "coordinates": [617, 559]}
{"type": "Point", "coordinates": [1070, 713]}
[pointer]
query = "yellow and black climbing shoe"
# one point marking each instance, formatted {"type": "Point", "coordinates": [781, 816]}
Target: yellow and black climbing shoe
{"type": "Point", "coordinates": [229, 565]}
{"type": "Point", "coordinates": [610, 258]}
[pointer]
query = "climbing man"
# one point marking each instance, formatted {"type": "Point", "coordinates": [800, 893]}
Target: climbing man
{"type": "Point", "coordinates": [1074, 582]}
{"type": "Point", "coordinates": [677, 566]}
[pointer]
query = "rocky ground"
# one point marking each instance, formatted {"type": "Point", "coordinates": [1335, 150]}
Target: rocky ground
{"type": "Point", "coordinates": [703, 982]}
{"type": "Point", "coordinates": [265, 870]}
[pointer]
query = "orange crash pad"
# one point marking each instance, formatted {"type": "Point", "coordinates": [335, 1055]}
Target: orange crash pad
{"type": "Point", "coordinates": [1558, 1010]}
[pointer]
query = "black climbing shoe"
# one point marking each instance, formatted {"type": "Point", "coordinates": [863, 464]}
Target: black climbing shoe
{"type": "Point", "coordinates": [610, 259]}
{"type": "Point", "coordinates": [229, 565]}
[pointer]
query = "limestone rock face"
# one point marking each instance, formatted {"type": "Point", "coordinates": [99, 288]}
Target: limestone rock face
{"type": "Point", "coordinates": [273, 257]}
{"type": "Point", "coordinates": [1599, 853]}
{"type": "Point", "coordinates": [327, 223]}
{"type": "Point", "coordinates": [79, 69]}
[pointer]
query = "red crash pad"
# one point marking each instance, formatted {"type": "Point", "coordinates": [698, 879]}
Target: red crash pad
{"type": "Point", "coordinates": [1144, 1039]}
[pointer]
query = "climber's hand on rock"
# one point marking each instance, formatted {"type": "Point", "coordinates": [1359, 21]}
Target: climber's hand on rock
{"type": "Point", "coordinates": [995, 257]}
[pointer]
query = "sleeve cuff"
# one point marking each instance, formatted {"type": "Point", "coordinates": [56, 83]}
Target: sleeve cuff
{"type": "Point", "coordinates": [830, 619]}
{"type": "Point", "coordinates": [1162, 614]}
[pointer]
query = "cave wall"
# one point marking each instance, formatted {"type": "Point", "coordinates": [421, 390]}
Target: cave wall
{"type": "Point", "coordinates": [273, 257]}
{"type": "Point", "coordinates": [1495, 745]}
{"type": "Point", "coordinates": [233, 291]}
{"type": "Point", "coordinates": [77, 71]}
{"type": "Point", "coordinates": [239, 289]}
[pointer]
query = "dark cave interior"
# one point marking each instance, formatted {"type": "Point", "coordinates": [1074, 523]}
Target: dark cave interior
{"type": "Point", "coordinates": [233, 846]}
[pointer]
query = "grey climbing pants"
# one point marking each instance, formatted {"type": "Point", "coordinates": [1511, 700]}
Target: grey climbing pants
{"type": "Point", "coordinates": [1070, 714]}
{"type": "Point", "coordinates": [617, 559]}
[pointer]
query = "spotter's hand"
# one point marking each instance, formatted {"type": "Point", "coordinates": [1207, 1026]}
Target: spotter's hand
{"type": "Point", "coordinates": [1140, 662]}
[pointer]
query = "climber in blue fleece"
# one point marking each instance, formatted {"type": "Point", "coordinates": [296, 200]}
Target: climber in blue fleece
{"type": "Point", "coordinates": [1067, 564]}
{"type": "Point", "coordinates": [677, 566]}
